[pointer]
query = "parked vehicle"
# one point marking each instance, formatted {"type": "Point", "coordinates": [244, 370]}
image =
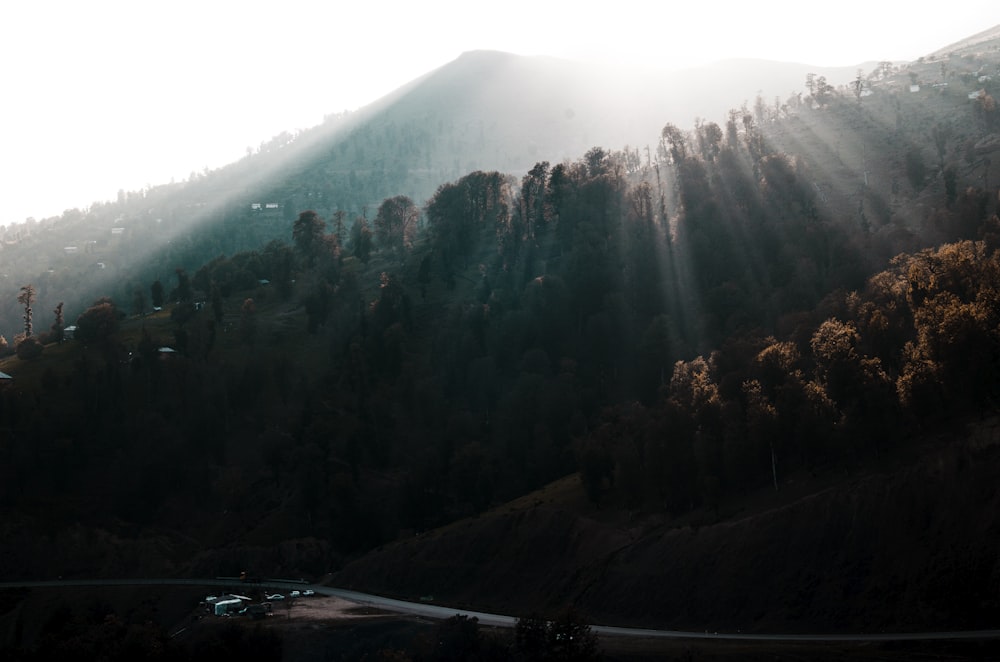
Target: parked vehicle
{"type": "Point", "coordinates": [274, 597]}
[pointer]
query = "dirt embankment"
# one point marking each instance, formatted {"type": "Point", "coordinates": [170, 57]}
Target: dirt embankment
{"type": "Point", "coordinates": [906, 549]}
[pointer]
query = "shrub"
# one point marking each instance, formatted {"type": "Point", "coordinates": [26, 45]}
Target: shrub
{"type": "Point", "coordinates": [29, 348]}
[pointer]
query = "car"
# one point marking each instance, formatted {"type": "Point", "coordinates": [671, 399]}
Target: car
{"type": "Point", "coordinates": [308, 593]}
{"type": "Point", "coordinates": [274, 597]}
{"type": "Point", "coordinates": [294, 594]}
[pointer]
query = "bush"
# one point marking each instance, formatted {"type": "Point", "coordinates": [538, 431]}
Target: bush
{"type": "Point", "coordinates": [29, 348]}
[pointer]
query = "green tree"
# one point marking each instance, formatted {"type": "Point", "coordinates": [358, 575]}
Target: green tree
{"type": "Point", "coordinates": [339, 225]}
{"type": "Point", "coordinates": [396, 223]}
{"type": "Point", "coordinates": [307, 233]}
{"type": "Point", "coordinates": [361, 239]}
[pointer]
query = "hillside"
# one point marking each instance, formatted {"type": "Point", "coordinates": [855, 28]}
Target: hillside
{"type": "Point", "coordinates": [637, 381]}
{"type": "Point", "coordinates": [900, 546]}
{"type": "Point", "coordinates": [485, 110]}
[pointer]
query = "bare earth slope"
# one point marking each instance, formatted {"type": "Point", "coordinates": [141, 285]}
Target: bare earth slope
{"type": "Point", "coordinates": [907, 546]}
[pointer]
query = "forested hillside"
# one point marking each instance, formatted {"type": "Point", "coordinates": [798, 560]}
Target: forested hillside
{"type": "Point", "coordinates": [803, 287]}
{"type": "Point", "coordinates": [485, 110]}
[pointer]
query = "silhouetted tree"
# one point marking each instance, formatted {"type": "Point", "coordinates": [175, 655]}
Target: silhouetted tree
{"type": "Point", "coordinates": [58, 324]}
{"type": "Point", "coordinates": [531, 637]}
{"type": "Point", "coordinates": [26, 298]}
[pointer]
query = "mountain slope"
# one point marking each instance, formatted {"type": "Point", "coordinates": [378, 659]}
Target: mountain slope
{"type": "Point", "coordinates": [902, 547]}
{"type": "Point", "coordinates": [485, 110]}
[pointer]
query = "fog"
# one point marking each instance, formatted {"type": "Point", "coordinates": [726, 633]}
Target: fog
{"type": "Point", "coordinates": [111, 95]}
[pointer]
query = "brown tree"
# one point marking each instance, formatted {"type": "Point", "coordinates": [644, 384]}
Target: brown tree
{"type": "Point", "coordinates": [26, 298]}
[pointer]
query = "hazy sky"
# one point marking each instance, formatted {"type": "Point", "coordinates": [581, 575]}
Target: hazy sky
{"type": "Point", "coordinates": [99, 95]}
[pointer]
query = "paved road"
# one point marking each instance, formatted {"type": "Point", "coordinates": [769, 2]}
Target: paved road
{"type": "Point", "coordinates": [428, 610]}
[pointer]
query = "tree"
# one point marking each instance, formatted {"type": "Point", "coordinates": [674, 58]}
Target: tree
{"type": "Point", "coordinates": [567, 637]}
{"type": "Point", "coordinates": [859, 85]}
{"type": "Point", "coordinates": [98, 323]}
{"type": "Point", "coordinates": [823, 90]}
{"type": "Point", "coordinates": [531, 636]}
{"type": "Point", "coordinates": [307, 232]}
{"type": "Point", "coordinates": [26, 298]}
{"type": "Point", "coordinates": [570, 638]}
{"type": "Point", "coordinates": [248, 322]}
{"type": "Point", "coordinates": [156, 292]}
{"type": "Point", "coordinates": [940, 134]}
{"type": "Point", "coordinates": [339, 225]}
{"type": "Point", "coordinates": [58, 324]}
{"type": "Point", "coordinates": [29, 348]}
{"type": "Point", "coordinates": [673, 143]}
{"type": "Point", "coordinates": [361, 239]}
{"type": "Point", "coordinates": [184, 293]}
{"type": "Point", "coordinates": [916, 172]}
{"type": "Point", "coordinates": [396, 223]}
{"type": "Point", "coordinates": [217, 303]}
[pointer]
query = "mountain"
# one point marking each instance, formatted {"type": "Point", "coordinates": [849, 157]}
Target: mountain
{"type": "Point", "coordinates": [769, 348]}
{"type": "Point", "coordinates": [485, 110]}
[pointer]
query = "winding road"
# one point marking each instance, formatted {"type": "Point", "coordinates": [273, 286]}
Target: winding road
{"type": "Point", "coordinates": [433, 611]}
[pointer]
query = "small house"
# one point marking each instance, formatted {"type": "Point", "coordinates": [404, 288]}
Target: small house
{"type": "Point", "coordinates": [69, 332]}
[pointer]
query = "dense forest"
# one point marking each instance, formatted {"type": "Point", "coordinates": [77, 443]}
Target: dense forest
{"type": "Point", "coordinates": [806, 286]}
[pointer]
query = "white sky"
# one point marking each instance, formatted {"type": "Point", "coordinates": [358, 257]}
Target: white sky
{"type": "Point", "coordinates": [98, 95]}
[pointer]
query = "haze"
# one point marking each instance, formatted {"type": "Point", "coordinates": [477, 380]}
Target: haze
{"type": "Point", "coordinates": [111, 95]}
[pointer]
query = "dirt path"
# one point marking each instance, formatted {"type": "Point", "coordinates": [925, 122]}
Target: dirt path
{"type": "Point", "coordinates": [323, 608]}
